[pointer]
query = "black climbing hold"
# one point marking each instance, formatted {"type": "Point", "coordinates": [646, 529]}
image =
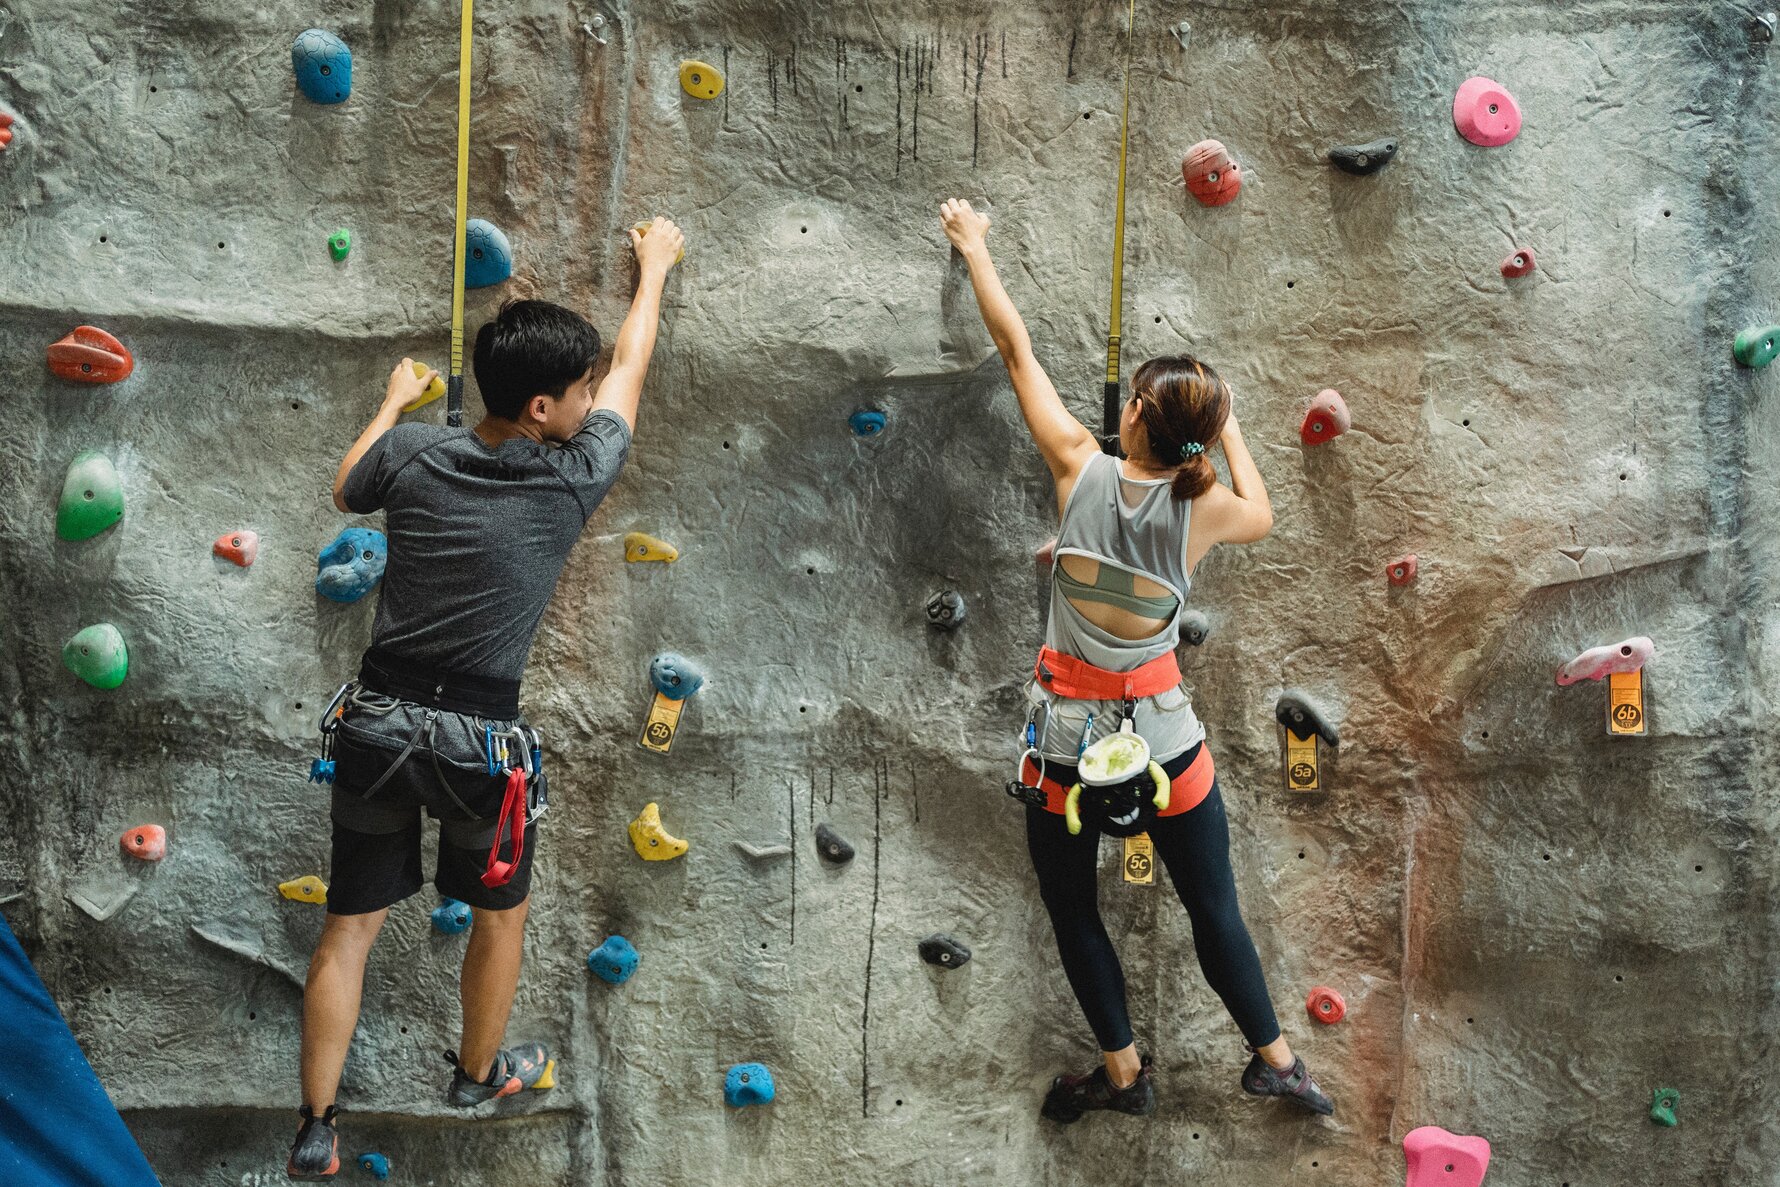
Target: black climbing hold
{"type": "Point", "coordinates": [1195, 626]}
{"type": "Point", "coordinates": [1301, 715]}
{"type": "Point", "coordinates": [945, 609]}
{"type": "Point", "coordinates": [942, 950]}
{"type": "Point", "coordinates": [831, 846]}
{"type": "Point", "coordinates": [1361, 159]}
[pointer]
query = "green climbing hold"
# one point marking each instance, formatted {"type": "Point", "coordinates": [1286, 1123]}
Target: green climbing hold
{"type": "Point", "coordinates": [98, 656]}
{"type": "Point", "coordinates": [339, 243]}
{"type": "Point", "coordinates": [1663, 1103]}
{"type": "Point", "coordinates": [92, 497]}
{"type": "Point", "coordinates": [1757, 346]}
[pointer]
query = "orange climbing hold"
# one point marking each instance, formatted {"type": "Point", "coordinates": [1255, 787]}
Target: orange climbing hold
{"type": "Point", "coordinates": [1327, 419]}
{"type": "Point", "coordinates": [1211, 174]}
{"type": "Point", "coordinates": [1519, 264]}
{"type": "Point", "coordinates": [1325, 1005]}
{"type": "Point", "coordinates": [145, 842]}
{"type": "Point", "coordinates": [1441, 1159]}
{"type": "Point", "coordinates": [240, 547]}
{"type": "Point", "coordinates": [1402, 570]}
{"type": "Point", "coordinates": [5, 129]}
{"type": "Point", "coordinates": [89, 355]}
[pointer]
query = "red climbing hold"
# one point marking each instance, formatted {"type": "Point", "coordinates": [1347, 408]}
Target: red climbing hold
{"type": "Point", "coordinates": [1325, 1005]}
{"type": "Point", "coordinates": [1402, 570]}
{"type": "Point", "coordinates": [1485, 112]}
{"type": "Point", "coordinates": [241, 547]}
{"type": "Point", "coordinates": [1441, 1159]}
{"type": "Point", "coordinates": [90, 355]}
{"type": "Point", "coordinates": [1327, 419]}
{"type": "Point", "coordinates": [1211, 175]}
{"type": "Point", "coordinates": [5, 129]}
{"type": "Point", "coordinates": [1518, 264]}
{"type": "Point", "coordinates": [146, 842]}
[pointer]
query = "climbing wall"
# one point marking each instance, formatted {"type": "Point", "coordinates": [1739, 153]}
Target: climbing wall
{"type": "Point", "coordinates": [1534, 925]}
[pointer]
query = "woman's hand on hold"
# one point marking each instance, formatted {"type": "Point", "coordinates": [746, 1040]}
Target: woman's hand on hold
{"type": "Point", "coordinates": [659, 245]}
{"type": "Point", "coordinates": [967, 229]}
{"type": "Point", "coordinates": [405, 386]}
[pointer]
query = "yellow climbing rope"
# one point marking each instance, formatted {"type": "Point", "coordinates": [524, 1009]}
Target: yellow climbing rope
{"type": "Point", "coordinates": [454, 397]}
{"type": "Point", "coordinates": [1110, 409]}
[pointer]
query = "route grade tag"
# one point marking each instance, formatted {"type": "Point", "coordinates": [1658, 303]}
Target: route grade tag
{"type": "Point", "coordinates": [1625, 704]}
{"type": "Point", "coordinates": [1301, 768]}
{"type": "Point", "coordinates": [663, 722]}
{"type": "Point", "coordinates": [1140, 860]}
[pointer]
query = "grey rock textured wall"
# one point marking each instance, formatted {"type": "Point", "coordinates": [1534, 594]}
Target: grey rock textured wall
{"type": "Point", "coordinates": [1534, 925]}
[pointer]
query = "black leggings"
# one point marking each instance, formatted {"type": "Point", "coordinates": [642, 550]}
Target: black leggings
{"type": "Point", "coordinates": [1195, 846]}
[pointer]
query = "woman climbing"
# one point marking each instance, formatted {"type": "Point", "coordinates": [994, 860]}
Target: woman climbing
{"type": "Point", "coordinates": [1112, 742]}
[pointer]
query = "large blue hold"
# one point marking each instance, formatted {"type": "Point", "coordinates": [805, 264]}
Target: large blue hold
{"type": "Point", "coordinates": [488, 257]}
{"type": "Point", "coordinates": [323, 65]}
{"type": "Point", "coordinates": [674, 676]}
{"type": "Point", "coordinates": [451, 918]}
{"type": "Point", "coordinates": [351, 565]}
{"type": "Point", "coordinates": [613, 961]}
{"type": "Point", "coordinates": [868, 422]}
{"type": "Point", "coordinates": [748, 1084]}
{"type": "Point", "coordinates": [374, 1164]}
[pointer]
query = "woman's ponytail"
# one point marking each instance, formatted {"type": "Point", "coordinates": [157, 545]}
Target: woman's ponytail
{"type": "Point", "coordinates": [1184, 410]}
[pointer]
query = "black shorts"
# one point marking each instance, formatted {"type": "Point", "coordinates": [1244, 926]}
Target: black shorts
{"type": "Point", "coordinates": [376, 852]}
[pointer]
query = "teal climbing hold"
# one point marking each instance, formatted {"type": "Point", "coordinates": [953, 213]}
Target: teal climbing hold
{"type": "Point", "coordinates": [349, 566]}
{"type": "Point", "coordinates": [374, 1164]}
{"type": "Point", "coordinates": [613, 961]}
{"type": "Point", "coordinates": [92, 497]}
{"type": "Point", "coordinates": [488, 257]}
{"type": "Point", "coordinates": [450, 917]}
{"type": "Point", "coordinates": [1757, 346]}
{"type": "Point", "coordinates": [867, 422]}
{"type": "Point", "coordinates": [323, 66]}
{"type": "Point", "coordinates": [1663, 1102]}
{"type": "Point", "coordinates": [97, 655]}
{"type": "Point", "coordinates": [748, 1084]}
{"type": "Point", "coordinates": [674, 676]}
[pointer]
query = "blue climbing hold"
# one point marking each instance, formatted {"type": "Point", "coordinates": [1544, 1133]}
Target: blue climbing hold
{"type": "Point", "coordinates": [613, 961]}
{"type": "Point", "coordinates": [748, 1084]}
{"type": "Point", "coordinates": [488, 257]}
{"type": "Point", "coordinates": [451, 918]}
{"type": "Point", "coordinates": [375, 1165]}
{"type": "Point", "coordinates": [674, 676]}
{"type": "Point", "coordinates": [867, 423]}
{"type": "Point", "coordinates": [351, 565]}
{"type": "Point", "coordinates": [323, 65]}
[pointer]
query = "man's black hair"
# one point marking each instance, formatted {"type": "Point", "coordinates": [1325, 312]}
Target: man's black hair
{"type": "Point", "coordinates": [531, 348]}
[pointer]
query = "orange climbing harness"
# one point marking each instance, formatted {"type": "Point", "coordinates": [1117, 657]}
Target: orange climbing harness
{"type": "Point", "coordinates": [1066, 676]}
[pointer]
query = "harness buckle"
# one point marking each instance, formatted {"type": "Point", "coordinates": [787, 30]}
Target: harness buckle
{"type": "Point", "coordinates": [1027, 794]}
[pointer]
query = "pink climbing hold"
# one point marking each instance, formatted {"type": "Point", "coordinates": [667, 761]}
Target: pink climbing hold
{"type": "Point", "coordinates": [1441, 1159]}
{"type": "Point", "coordinates": [145, 842]}
{"type": "Point", "coordinates": [1211, 174]}
{"type": "Point", "coordinates": [1327, 419]}
{"type": "Point", "coordinates": [1519, 264]}
{"type": "Point", "coordinates": [1402, 570]}
{"type": "Point", "coordinates": [240, 547]}
{"type": "Point", "coordinates": [1597, 662]}
{"type": "Point", "coordinates": [1046, 556]}
{"type": "Point", "coordinates": [1485, 112]}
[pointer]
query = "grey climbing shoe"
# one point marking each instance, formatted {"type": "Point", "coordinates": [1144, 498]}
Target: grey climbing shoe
{"type": "Point", "coordinates": [514, 1069]}
{"type": "Point", "coordinates": [315, 1155]}
{"type": "Point", "coordinates": [1262, 1079]}
{"type": "Point", "coordinates": [1072, 1095]}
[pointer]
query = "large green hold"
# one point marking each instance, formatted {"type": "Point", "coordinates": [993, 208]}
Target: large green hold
{"type": "Point", "coordinates": [1757, 346]}
{"type": "Point", "coordinates": [1663, 1102]}
{"type": "Point", "coordinates": [92, 497]}
{"type": "Point", "coordinates": [98, 656]}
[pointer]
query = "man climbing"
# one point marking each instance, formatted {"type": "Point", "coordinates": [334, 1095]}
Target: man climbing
{"type": "Point", "coordinates": [480, 522]}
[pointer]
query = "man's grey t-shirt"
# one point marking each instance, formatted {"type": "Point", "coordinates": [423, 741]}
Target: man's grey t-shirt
{"type": "Point", "coordinates": [478, 535]}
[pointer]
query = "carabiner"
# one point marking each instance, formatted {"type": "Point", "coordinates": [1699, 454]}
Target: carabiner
{"type": "Point", "coordinates": [330, 717]}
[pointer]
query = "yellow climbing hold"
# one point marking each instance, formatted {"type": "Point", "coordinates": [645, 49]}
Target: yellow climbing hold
{"type": "Point", "coordinates": [701, 80]}
{"type": "Point", "coordinates": [307, 889]}
{"type": "Point", "coordinates": [643, 229]}
{"type": "Point", "coordinates": [641, 546]}
{"type": "Point", "coordinates": [548, 1079]}
{"type": "Point", "coordinates": [650, 840]}
{"type": "Point", "coordinates": [433, 391]}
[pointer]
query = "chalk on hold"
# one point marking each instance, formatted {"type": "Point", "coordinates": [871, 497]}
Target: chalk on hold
{"type": "Point", "coordinates": [640, 546]}
{"type": "Point", "coordinates": [433, 390]}
{"type": "Point", "coordinates": [1441, 1159]}
{"type": "Point", "coordinates": [1326, 1005]}
{"type": "Point", "coordinates": [307, 889]}
{"type": "Point", "coordinates": [1326, 419]}
{"type": "Point", "coordinates": [1596, 662]}
{"type": "Point", "coordinates": [748, 1084]}
{"type": "Point", "coordinates": [1402, 570]}
{"type": "Point", "coordinates": [867, 422]}
{"type": "Point", "coordinates": [97, 655]}
{"type": "Point", "coordinates": [145, 842]}
{"type": "Point", "coordinates": [643, 229]}
{"type": "Point", "coordinates": [701, 80]}
{"type": "Point", "coordinates": [650, 840]}
{"type": "Point", "coordinates": [340, 244]}
{"type": "Point", "coordinates": [1756, 346]}
{"type": "Point", "coordinates": [323, 66]}
{"type": "Point", "coordinates": [1519, 264]}
{"type": "Point", "coordinates": [239, 548]}
{"type": "Point", "coordinates": [831, 846]}
{"type": "Point", "coordinates": [763, 852]}
{"type": "Point", "coordinates": [451, 917]}
{"type": "Point", "coordinates": [374, 1164]}
{"type": "Point", "coordinates": [1303, 716]}
{"type": "Point", "coordinates": [613, 961]}
{"type": "Point", "coordinates": [943, 951]}
{"type": "Point", "coordinates": [488, 257]}
{"type": "Point", "coordinates": [87, 354]}
{"type": "Point", "coordinates": [674, 676]}
{"type": "Point", "coordinates": [349, 566]}
{"type": "Point", "coordinates": [1212, 176]}
{"type": "Point", "coordinates": [1195, 627]}
{"type": "Point", "coordinates": [1663, 1103]}
{"type": "Point", "coordinates": [1485, 113]}
{"type": "Point", "coordinates": [1362, 159]}
{"type": "Point", "coordinates": [92, 497]}
{"type": "Point", "coordinates": [945, 610]}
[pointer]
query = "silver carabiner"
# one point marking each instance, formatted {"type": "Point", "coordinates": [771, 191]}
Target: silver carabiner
{"type": "Point", "coordinates": [330, 716]}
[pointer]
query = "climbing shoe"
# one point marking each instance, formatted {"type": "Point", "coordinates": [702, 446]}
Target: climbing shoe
{"type": "Point", "coordinates": [1071, 1096]}
{"type": "Point", "coordinates": [1263, 1079]}
{"type": "Point", "coordinates": [514, 1068]}
{"type": "Point", "coordinates": [315, 1155]}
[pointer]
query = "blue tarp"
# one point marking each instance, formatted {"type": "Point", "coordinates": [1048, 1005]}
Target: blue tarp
{"type": "Point", "coordinates": [58, 1128]}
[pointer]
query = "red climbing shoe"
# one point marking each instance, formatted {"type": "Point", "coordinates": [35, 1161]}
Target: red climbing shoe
{"type": "Point", "coordinates": [515, 1068]}
{"type": "Point", "coordinates": [1071, 1096]}
{"type": "Point", "coordinates": [315, 1155]}
{"type": "Point", "coordinates": [1263, 1079]}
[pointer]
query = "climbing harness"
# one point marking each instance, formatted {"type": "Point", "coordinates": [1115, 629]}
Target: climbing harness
{"type": "Point", "coordinates": [1110, 409]}
{"type": "Point", "coordinates": [454, 386]}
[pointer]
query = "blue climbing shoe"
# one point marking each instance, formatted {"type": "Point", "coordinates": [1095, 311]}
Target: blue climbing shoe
{"type": "Point", "coordinates": [1071, 1096]}
{"type": "Point", "coordinates": [1263, 1079]}
{"type": "Point", "coordinates": [514, 1069]}
{"type": "Point", "coordinates": [315, 1155]}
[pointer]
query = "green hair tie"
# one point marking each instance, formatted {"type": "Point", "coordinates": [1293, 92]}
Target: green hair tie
{"type": "Point", "coordinates": [1191, 449]}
